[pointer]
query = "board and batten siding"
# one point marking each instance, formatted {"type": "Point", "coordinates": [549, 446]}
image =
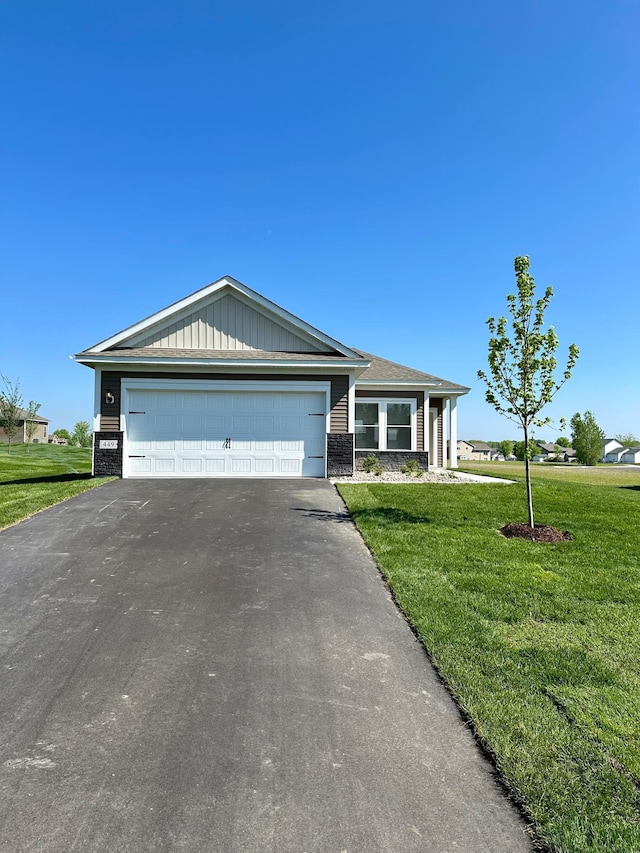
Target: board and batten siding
{"type": "Point", "coordinates": [438, 403]}
{"type": "Point", "coordinates": [111, 381]}
{"type": "Point", "coordinates": [418, 396]}
{"type": "Point", "coordinates": [226, 324]}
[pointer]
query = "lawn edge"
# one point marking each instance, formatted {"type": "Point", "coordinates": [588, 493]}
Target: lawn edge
{"type": "Point", "coordinates": [514, 797]}
{"type": "Point", "coordinates": [95, 483]}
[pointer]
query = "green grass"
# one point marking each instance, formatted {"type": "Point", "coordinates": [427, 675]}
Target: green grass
{"type": "Point", "coordinates": [44, 476]}
{"type": "Point", "coordinates": [540, 644]}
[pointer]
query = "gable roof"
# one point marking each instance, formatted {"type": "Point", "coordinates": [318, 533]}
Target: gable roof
{"type": "Point", "coordinates": [225, 315]}
{"type": "Point", "coordinates": [23, 415]}
{"type": "Point", "coordinates": [479, 446]}
{"type": "Point", "coordinates": [227, 323]}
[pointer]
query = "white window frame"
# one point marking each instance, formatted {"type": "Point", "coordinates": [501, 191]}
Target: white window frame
{"type": "Point", "coordinates": [382, 403]}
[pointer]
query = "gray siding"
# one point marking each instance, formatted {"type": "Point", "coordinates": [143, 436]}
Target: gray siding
{"type": "Point", "coordinates": [227, 324]}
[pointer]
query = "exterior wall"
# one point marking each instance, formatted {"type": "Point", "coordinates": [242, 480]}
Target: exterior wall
{"type": "Point", "coordinates": [464, 450]}
{"type": "Point", "coordinates": [41, 435]}
{"type": "Point", "coordinates": [393, 460]}
{"type": "Point", "coordinates": [227, 323]}
{"type": "Point", "coordinates": [107, 462]}
{"type": "Point", "coordinates": [110, 412]}
{"type": "Point", "coordinates": [340, 455]}
{"type": "Point", "coordinates": [418, 396]}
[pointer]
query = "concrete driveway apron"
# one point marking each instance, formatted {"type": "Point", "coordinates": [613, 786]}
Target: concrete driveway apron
{"type": "Point", "coordinates": [217, 666]}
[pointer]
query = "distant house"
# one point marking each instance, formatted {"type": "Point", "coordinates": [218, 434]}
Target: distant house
{"type": "Point", "coordinates": [615, 454]}
{"type": "Point", "coordinates": [53, 439]}
{"type": "Point", "coordinates": [632, 455]}
{"type": "Point", "coordinates": [554, 453]}
{"type": "Point", "coordinates": [478, 450]}
{"type": "Point", "coordinates": [40, 437]}
{"type": "Point", "coordinates": [545, 452]}
{"type": "Point", "coordinates": [612, 450]}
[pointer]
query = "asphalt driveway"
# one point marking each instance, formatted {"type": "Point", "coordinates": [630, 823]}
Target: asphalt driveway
{"type": "Point", "coordinates": [217, 666]}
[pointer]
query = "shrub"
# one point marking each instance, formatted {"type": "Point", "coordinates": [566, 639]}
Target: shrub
{"type": "Point", "coordinates": [412, 468]}
{"type": "Point", "coordinates": [372, 466]}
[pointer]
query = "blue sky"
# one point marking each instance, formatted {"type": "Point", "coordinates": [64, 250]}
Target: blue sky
{"type": "Point", "coordinates": [372, 167]}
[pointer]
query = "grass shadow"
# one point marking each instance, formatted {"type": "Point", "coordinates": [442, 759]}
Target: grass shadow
{"type": "Point", "coordinates": [53, 478]}
{"type": "Point", "coordinates": [387, 515]}
{"type": "Point", "coordinates": [633, 488]}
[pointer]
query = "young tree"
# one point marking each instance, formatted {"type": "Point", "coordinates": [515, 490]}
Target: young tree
{"type": "Point", "coordinates": [81, 434]}
{"type": "Point", "coordinates": [506, 448]}
{"type": "Point", "coordinates": [31, 422]}
{"type": "Point", "coordinates": [587, 438]}
{"type": "Point", "coordinates": [522, 367]}
{"type": "Point", "coordinates": [10, 408]}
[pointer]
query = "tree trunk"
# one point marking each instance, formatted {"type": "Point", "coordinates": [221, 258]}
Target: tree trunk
{"type": "Point", "coordinates": [527, 474]}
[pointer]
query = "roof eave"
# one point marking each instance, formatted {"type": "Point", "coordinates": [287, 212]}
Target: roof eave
{"type": "Point", "coordinates": [437, 384]}
{"type": "Point", "coordinates": [100, 359]}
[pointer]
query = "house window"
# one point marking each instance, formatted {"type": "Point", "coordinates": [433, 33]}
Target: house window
{"type": "Point", "coordinates": [385, 424]}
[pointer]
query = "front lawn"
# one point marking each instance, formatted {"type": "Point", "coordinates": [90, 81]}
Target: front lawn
{"type": "Point", "coordinates": [44, 476]}
{"type": "Point", "coordinates": [539, 644]}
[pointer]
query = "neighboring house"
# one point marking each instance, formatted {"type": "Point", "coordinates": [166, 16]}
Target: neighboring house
{"type": "Point", "coordinates": [226, 383]}
{"type": "Point", "coordinates": [632, 455]}
{"type": "Point", "coordinates": [615, 454]}
{"type": "Point", "coordinates": [609, 447]}
{"type": "Point", "coordinates": [554, 453]}
{"type": "Point", "coordinates": [547, 452]}
{"type": "Point", "coordinates": [40, 436]}
{"type": "Point", "coordinates": [53, 439]}
{"type": "Point", "coordinates": [474, 450]}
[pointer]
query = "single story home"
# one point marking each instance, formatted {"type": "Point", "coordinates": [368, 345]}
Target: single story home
{"type": "Point", "coordinates": [554, 453]}
{"type": "Point", "coordinates": [632, 455]}
{"type": "Point", "coordinates": [54, 439]}
{"type": "Point", "coordinates": [40, 435]}
{"type": "Point", "coordinates": [227, 383]}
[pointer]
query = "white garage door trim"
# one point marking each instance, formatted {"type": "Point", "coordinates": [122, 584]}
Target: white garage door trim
{"type": "Point", "coordinates": [131, 385]}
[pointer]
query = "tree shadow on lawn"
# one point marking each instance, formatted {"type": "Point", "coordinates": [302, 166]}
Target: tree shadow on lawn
{"type": "Point", "coordinates": [53, 478]}
{"type": "Point", "coordinates": [381, 515]}
{"type": "Point", "coordinates": [633, 488]}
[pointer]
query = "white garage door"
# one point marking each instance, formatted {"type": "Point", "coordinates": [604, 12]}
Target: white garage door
{"type": "Point", "coordinates": [225, 433]}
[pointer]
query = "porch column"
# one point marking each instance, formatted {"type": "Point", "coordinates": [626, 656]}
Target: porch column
{"type": "Point", "coordinates": [453, 432]}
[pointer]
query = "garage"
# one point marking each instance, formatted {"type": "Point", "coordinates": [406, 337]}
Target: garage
{"type": "Point", "coordinates": [207, 430]}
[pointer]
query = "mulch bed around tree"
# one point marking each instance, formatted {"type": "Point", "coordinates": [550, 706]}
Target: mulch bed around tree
{"type": "Point", "coordinates": [539, 533]}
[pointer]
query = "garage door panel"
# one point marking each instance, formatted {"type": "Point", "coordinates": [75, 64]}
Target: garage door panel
{"type": "Point", "coordinates": [186, 433]}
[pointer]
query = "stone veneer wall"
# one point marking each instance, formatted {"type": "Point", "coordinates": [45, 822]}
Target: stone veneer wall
{"type": "Point", "coordinates": [107, 463]}
{"type": "Point", "coordinates": [340, 454]}
{"type": "Point", "coordinates": [393, 460]}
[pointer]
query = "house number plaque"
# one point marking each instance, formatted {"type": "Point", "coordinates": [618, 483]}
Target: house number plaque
{"type": "Point", "coordinates": [108, 444]}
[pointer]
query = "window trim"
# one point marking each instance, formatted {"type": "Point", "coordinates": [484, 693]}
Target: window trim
{"type": "Point", "coordinates": [382, 403]}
